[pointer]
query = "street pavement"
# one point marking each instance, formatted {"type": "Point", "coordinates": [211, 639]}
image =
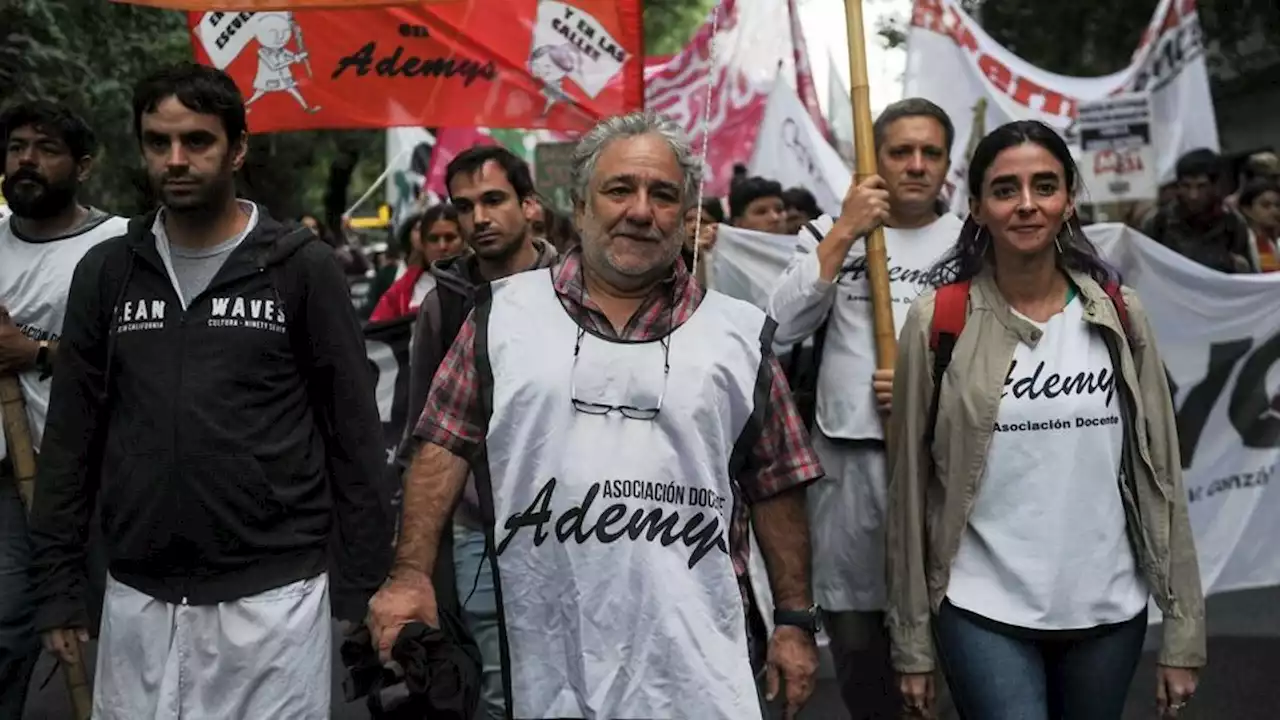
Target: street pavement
{"type": "Point", "coordinates": [1242, 681]}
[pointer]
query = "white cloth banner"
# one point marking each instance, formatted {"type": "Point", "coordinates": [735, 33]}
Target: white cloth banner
{"type": "Point", "coordinates": [840, 110]}
{"type": "Point", "coordinates": [982, 85]}
{"type": "Point", "coordinates": [1219, 336]}
{"type": "Point", "coordinates": [408, 154]}
{"type": "Point", "coordinates": [791, 149]}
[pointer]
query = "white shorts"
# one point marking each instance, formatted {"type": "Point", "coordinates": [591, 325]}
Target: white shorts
{"type": "Point", "coordinates": [263, 656]}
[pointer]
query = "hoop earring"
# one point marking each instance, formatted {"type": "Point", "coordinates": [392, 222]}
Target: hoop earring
{"type": "Point", "coordinates": [1057, 244]}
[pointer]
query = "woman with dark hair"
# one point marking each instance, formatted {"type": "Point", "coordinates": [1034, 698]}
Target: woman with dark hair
{"type": "Point", "coordinates": [435, 236]}
{"type": "Point", "coordinates": [1260, 204]}
{"type": "Point", "coordinates": [554, 227]}
{"type": "Point", "coordinates": [1036, 500]}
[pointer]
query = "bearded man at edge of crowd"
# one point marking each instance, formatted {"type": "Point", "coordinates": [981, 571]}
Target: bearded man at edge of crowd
{"type": "Point", "coordinates": [824, 294]}
{"type": "Point", "coordinates": [48, 154]}
{"type": "Point", "coordinates": [213, 393]}
{"type": "Point", "coordinates": [557, 383]}
{"type": "Point", "coordinates": [493, 192]}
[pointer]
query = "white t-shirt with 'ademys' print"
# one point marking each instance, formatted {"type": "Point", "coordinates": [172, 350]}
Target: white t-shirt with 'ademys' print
{"type": "Point", "coordinates": [1046, 546]}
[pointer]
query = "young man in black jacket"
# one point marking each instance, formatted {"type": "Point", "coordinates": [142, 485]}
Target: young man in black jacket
{"type": "Point", "coordinates": [213, 395]}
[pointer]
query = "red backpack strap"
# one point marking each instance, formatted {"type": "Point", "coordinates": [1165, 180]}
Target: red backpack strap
{"type": "Point", "coordinates": [1113, 291]}
{"type": "Point", "coordinates": [950, 309]}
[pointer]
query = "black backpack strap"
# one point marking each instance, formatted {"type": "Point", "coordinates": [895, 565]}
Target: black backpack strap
{"type": "Point", "coordinates": [813, 231]}
{"type": "Point", "coordinates": [454, 308]}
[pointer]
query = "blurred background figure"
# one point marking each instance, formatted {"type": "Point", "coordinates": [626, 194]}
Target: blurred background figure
{"type": "Point", "coordinates": [801, 207]}
{"type": "Point", "coordinates": [1198, 225]}
{"type": "Point", "coordinates": [700, 231]}
{"type": "Point", "coordinates": [756, 204]}
{"type": "Point", "coordinates": [1259, 166]}
{"type": "Point", "coordinates": [431, 236]}
{"type": "Point", "coordinates": [553, 227]}
{"type": "Point", "coordinates": [1260, 204]}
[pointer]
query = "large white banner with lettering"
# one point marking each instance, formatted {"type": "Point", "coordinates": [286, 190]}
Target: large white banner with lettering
{"type": "Point", "coordinates": [791, 149]}
{"type": "Point", "coordinates": [1219, 336]}
{"type": "Point", "coordinates": [981, 85]}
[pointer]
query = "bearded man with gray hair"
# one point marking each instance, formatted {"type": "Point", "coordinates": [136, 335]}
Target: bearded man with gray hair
{"type": "Point", "coordinates": [622, 426]}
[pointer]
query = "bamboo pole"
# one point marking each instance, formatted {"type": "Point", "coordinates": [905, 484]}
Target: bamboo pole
{"type": "Point", "coordinates": [864, 141]}
{"type": "Point", "coordinates": [22, 454]}
{"type": "Point", "coordinates": [18, 434]}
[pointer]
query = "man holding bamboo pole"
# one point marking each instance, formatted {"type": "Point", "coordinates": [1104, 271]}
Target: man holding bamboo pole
{"type": "Point", "coordinates": [826, 293]}
{"type": "Point", "coordinates": [48, 153]}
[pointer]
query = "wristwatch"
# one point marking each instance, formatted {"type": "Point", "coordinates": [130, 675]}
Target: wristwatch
{"type": "Point", "coordinates": [809, 620]}
{"type": "Point", "coordinates": [44, 363]}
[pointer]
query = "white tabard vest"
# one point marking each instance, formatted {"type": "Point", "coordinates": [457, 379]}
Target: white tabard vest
{"type": "Point", "coordinates": [846, 406]}
{"type": "Point", "coordinates": [616, 590]}
{"type": "Point", "coordinates": [35, 277]}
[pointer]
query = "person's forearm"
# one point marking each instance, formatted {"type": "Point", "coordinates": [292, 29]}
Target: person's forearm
{"type": "Point", "coordinates": [834, 248]}
{"type": "Point", "coordinates": [431, 489]}
{"type": "Point", "coordinates": [782, 529]}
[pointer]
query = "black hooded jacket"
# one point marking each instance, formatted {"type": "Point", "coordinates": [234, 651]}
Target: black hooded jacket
{"type": "Point", "coordinates": [234, 446]}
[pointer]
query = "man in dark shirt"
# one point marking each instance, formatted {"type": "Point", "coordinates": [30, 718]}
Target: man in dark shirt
{"type": "Point", "coordinates": [1197, 225]}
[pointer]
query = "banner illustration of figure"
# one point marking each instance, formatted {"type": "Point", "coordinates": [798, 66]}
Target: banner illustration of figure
{"type": "Point", "coordinates": [552, 64]}
{"type": "Point", "coordinates": [542, 64]}
{"type": "Point", "coordinates": [276, 61]}
{"type": "Point", "coordinates": [570, 44]}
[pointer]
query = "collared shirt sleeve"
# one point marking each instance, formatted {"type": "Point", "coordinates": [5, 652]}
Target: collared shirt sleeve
{"type": "Point", "coordinates": [451, 416]}
{"type": "Point", "coordinates": [782, 458]}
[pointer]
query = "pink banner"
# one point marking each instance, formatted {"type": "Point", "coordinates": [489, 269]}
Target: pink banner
{"type": "Point", "coordinates": [750, 54]}
{"type": "Point", "coordinates": [450, 142]}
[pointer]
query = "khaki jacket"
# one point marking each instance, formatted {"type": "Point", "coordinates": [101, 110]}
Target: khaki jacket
{"type": "Point", "coordinates": [929, 509]}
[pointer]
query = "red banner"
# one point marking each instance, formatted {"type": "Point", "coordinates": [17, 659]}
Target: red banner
{"type": "Point", "coordinates": [263, 5]}
{"type": "Point", "coordinates": [559, 64]}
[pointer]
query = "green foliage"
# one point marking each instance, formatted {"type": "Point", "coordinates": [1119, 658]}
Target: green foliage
{"type": "Point", "coordinates": [668, 24]}
{"type": "Point", "coordinates": [90, 53]}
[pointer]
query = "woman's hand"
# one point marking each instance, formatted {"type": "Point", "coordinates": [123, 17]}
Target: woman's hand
{"type": "Point", "coordinates": [917, 694]}
{"type": "Point", "coordinates": [1174, 689]}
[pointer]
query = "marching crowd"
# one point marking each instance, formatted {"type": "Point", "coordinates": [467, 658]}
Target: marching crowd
{"type": "Point", "coordinates": [595, 438]}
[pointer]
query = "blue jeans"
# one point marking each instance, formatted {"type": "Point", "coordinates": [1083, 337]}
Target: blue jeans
{"type": "Point", "coordinates": [19, 647]}
{"type": "Point", "coordinates": [480, 615]}
{"type": "Point", "coordinates": [997, 675]}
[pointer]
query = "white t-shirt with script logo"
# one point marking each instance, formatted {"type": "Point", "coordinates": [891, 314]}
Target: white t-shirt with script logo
{"type": "Point", "coordinates": [35, 277]}
{"type": "Point", "coordinates": [847, 508]}
{"type": "Point", "coordinates": [612, 533]}
{"type": "Point", "coordinates": [846, 406]}
{"type": "Point", "coordinates": [1046, 546]}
